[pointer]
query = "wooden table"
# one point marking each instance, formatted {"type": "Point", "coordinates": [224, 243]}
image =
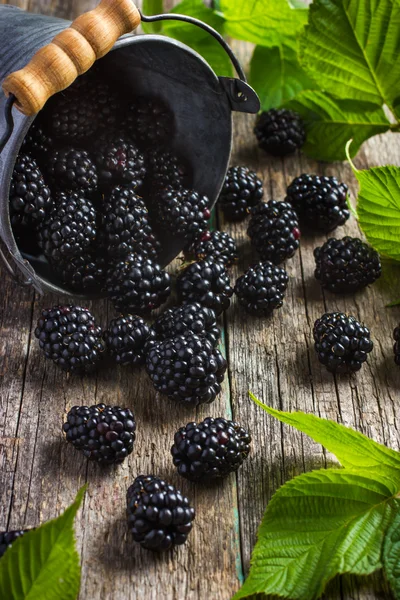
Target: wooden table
{"type": "Point", "coordinates": [40, 474]}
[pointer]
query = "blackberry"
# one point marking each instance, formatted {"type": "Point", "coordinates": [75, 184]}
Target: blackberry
{"type": "Point", "coordinates": [30, 198]}
{"type": "Point", "coordinates": [106, 103]}
{"type": "Point", "coordinates": [104, 434]}
{"type": "Point", "coordinates": [262, 288]}
{"type": "Point", "coordinates": [242, 189]}
{"type": "Point", "coordinates": [81, 273]}
{"type": "Point", "coordinates": [72, 169]}
{"type": "Point", "coordinates": [124, 217]}
{"type": "Point", "coordinates": [188, 317]}
{"type": "Point", "coordinates": [164, 169]}
{"type": "Point", "coordinates": [70, 227]}
{"type": "Point", "coordinates": [7, 538]}
{"type": "Point", "coordinates": [119, 161]}
{"type": "Point", "coordinates": [137, 284]}
{"type": "Point", "coordinates": [186, 368]}
{"type": "Point", "coordinates": [71, 115]}
{"type": "Point", "coordinates": [346, 265]}
{"type": "Point", "coordinates": [182, 212]}
{"type": "Point", "coordinates": [150, 121]}
{"type": "Point", "coordinates": [215, 245]}
{"type": "Point", "coordinates": [126, 338]}
{"type": "Point", "coordinates": [210, 449]}
{"type": "Point", "coordinates": [280, 131]}
{"type": "Point", "coordinates": [159, 516]}
{"type": "Point", "coordinates": [274, 231]}
{"type": "Point", "coordinates": [396, 346]}
{"type": "Point", "coordinates": [37, 142]}
{"type": "Point", "coordinates": [341, 342]}
{"type": "Point", "coordinates": [320, 202]}
{"type": "Point", "coordinates": [148, 245]}
{"type": "Point", "coordinates": [69, 336]}
{"type": "Point", "coordinates": [206, 282]}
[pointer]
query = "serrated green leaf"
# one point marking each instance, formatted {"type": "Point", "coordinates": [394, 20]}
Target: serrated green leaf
{"type": "Point", "coordinates": [391, 553]}
{"type": "Point", "coordinates": [352, 449]}
{"type": "Point", "coordinates": [263, 22]}
{"type": "Point", "coordinates": [378, 208]}
{"type": "Point", "coordinates": [44, 564]}
{"type": "Point", "coordinates": [149, 8]}
{"type": "Point", "coordinates": [352, 48]}
{"type": "Point", "coordinates": [276, 75]}
{"type": "Point", "coordinates": [331, 123]}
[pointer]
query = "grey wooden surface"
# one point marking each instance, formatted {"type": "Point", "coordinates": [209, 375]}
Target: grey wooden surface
{"type": "Point", "coordinates": [40, 473]}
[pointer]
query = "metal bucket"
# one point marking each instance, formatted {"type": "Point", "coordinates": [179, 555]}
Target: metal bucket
{"type": "Point", "coordinates": [147, 64]}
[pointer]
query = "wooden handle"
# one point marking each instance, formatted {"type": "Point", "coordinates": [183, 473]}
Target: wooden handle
{"type": "Point", "coordinates": [71, 53]}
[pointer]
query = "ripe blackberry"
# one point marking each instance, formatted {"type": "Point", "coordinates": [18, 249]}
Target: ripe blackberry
{"type": "Point", "coordinates": [124, 217]}
{"type": "Point", "coordinates": [150, 121]}
{"type": "Point", "coordinates": [206, 282]}
{"type": "Point", "coordinates": [396, 346]}
{"type": "Point", "coordinates": [7, 538]}
{"type": "Point", "coordinates": [37, 142]}
{"type": "Point", "coordinates": [148, 245]}
{"type": "Point", "coordinates": [280, 131]}
{"type": "Point", "coordinates": [81, 273]}
{"type": "Point", "coordinates": [69, 336]}
{"type": "Point", "coordinates": [188, 317]}
{"type": "Point", "coordinates": [71, 115]}
{"type": "Point", "coordinates": [105, 434]}
{"type": "Point", "coordinates": [107, 104]}
{"type": "Point", "coordinates": [210, 449]}
{"type": "Point", "coordinates": [186, 368]}
{"type": "Point", "coordinates": [119, 161]}
{"type": "Point", "coordinates": [70, 227]}
{"type": "Point", "coordinates": [215, 245]}
{"type": "Point", "coordinates": [182, 212]}
{"type": "Point", "coordinates": [242, 189]}
{"type": "Point", "coordinates": [320, 202]}
{"type": "Point", "coordinates": [126, 337]}
{"type": "Point", "coordinates": [159, 516]}
{"type": "Point", "coordinates": [341, 342]}
{"type": "Point", "coordinates": [262, 288]}
{"type": "Point", "coordinates": [137, 284]}
{"type": "Point", "coordinates": [274, 231]}
{"type": "Point", "coordinates": [165, 169]}
{"type": "Point", "coordinates": [346, 265]}
{"type": "Point", "coordinates": [72, 169]}
{"type": "Point", "coordinates": [30, 198]}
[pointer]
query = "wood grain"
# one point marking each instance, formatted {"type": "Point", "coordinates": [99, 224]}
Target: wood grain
{"type": "Point", "coordinates": [274, 358]}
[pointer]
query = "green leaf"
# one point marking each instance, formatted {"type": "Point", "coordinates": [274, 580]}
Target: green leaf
{"type": "Point", "coordinates": [378, 208]}
{"type": "Point", "coordinates": [149, 8]}
{"type": "Point", "coordinates": [351, 47]}
{"type": "Point", "coordinates": [316, 526]}
{"type": "Point", "coordinates": [331, 123]}
{"type": "Point", "coordinates": [44, 564]}
{"type": "Point", "coordinates": [352, 449]}
{"type": "Point", "coordinates": [263, 22]}
{"type": "Point", "coordinates": [391, 553]}
{"type": "Point", "coordinates": [276, 75]}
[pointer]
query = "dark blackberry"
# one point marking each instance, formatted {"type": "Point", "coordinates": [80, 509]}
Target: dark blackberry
{"type": "Point", "coordinates": [280, 131]}
{"type": "Point", "coordinates": [341, 342]}
{"type": "Point", "coordinates": [30, 198]}
{"type": "Point", "coordinates": [81, 273]}
{"type": "Point", "coordinates": [70, 227]}
{"type": "Point", "coordinates": [215, 245]}
{"type": "Point", "coordinates": [210, 449]}
{"type": "Point", "coordinates": [137, 285]}
{"type": "Point", "coordinates": [37, 142]}
{"type": "Point", "coordinates": [7, 538]}
{"type": "Point", "coordinates": [165, 169]}
{"type": "Point", "coordinates": [396, 346]}
{"type": "Point", "coordinates": [182, 213]}
{"type": "Point", "coordinates": [242, 189]}
{"type": "Point", "coordinates": [105, 434]}
{"type": "Point", "coordinates": [69, 336]}
{"type": "Point", "coordinates": [71, 115]}
{"type": "Point", "coordinates": [126, 337]}
{"type": "Point", "coordinates": [320, 202]}
{"type": "Point", "coordinates": [119, 161]}
{"type": "Point", "coordinates": [188, 317]}
{"type": "Point", "coordinates": [206, 282]}
{"type": "Point", "coordinates": [262, 288]}
{"type": "Point", "coordinates": [186, 368]}
{"type": "Point", "coordinates": [107, 104]}
{"type": "Point", "coordinates": [274, 231]}
{"type": "Point", "coordinates": [159, 516]}
{"type": "Point", "coordinates": [148, 244]}
{"type": "Point", "coordinates": [124, 217]}
{"type": "Point", "coordinates": [150, 121]}
{"type": "Point", "coordinates": [72, 169]}
{"type": "Point", "coordinates": [346, 265]}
